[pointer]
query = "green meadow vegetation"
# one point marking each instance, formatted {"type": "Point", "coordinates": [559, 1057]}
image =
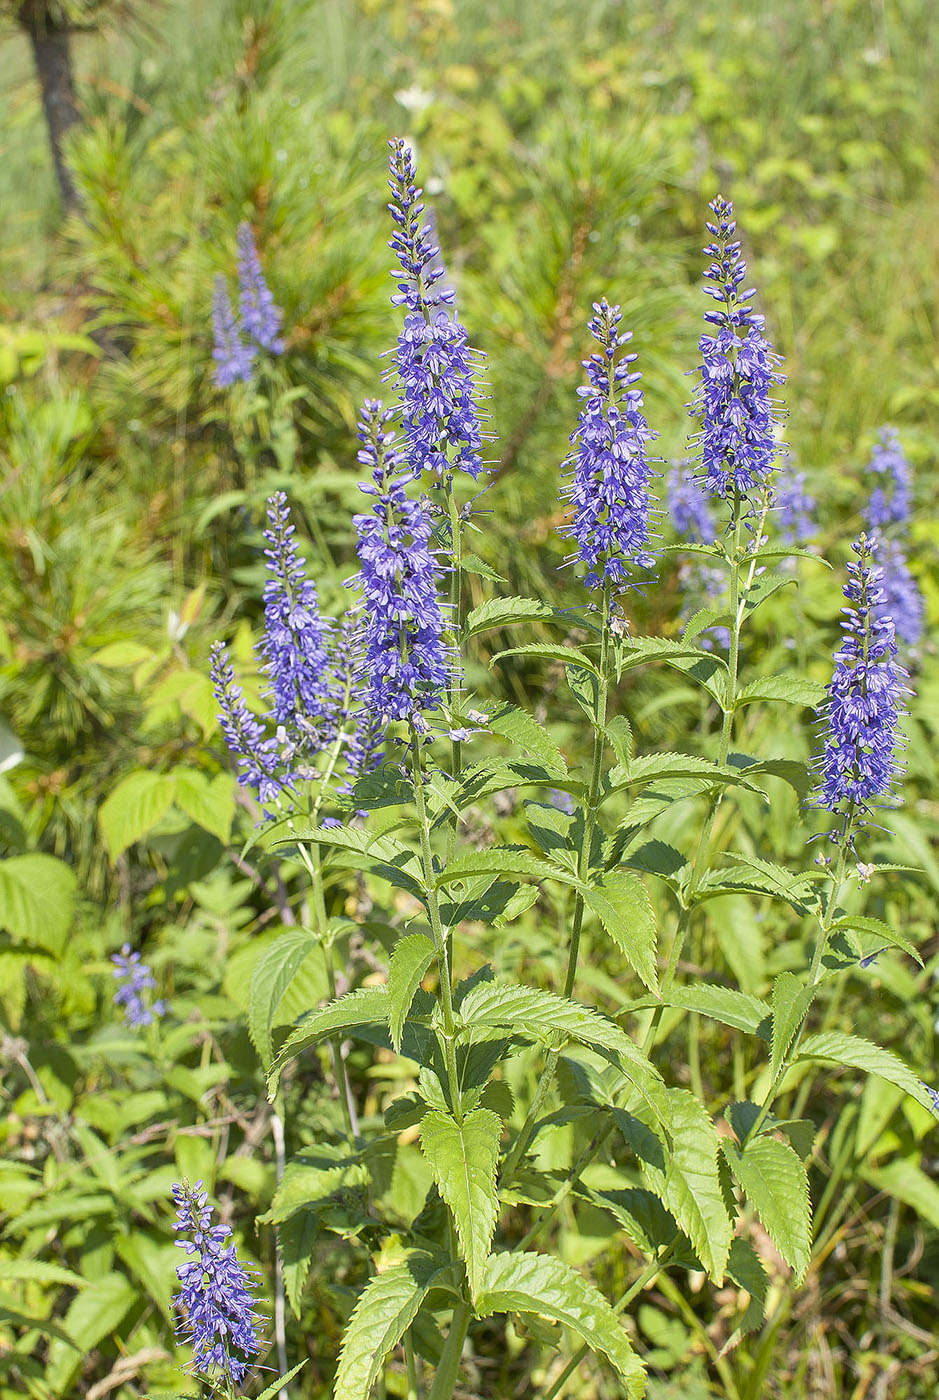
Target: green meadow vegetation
{"type": "Point", "coordinates": [568, 152]}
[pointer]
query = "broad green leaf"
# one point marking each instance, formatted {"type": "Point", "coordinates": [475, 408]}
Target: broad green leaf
{"type": "Point", "coordinates": [570, 656]}
{"type": "Point", "coordinates": [297, 1238]}
{"type": "Point", "coordinates": [793, 689]}
{"type": "Point", "coordinates": [547, 1287]}
{"type": "Point", "coordinates": [462, 1157]}
{"type": "Point", "coordinates": [791, 1001]}
{"type": "Point", "coordinates": [209, 802]}
{"type": "Point", "coordinates": [775, 1183]}
{"type": "Point", "coordinates": [409, 961]}
{"type": "Point", "coordinates": [747, 1272]}
{"type": "Point", "coordinates": [506, 612]}
{"type": "Point", "coordinates": [639, 650]}
{"type": "Point", "coordinates": [152, 1265]}
{"type": "Point", "coordinates": [620, 735]}
{"type": "Point", "coordinates": [530, 1011]}
{"type": "Point", "coordinates": [501, 860]}
{"type": "Point", "coordinates": [622, 905]}
{"type": "Point", "coordinates": [856, 1053]}
{"type": "Point", "coordinates": [365, 1007]}
{"type": "Point", "coordinates": [519, 727]}
{"type": "Point", "coordinates": [135, 806]}
{"type": "Point", "coordinates": [37, 900]}
{"type": "Point", "coordinates": [790, 770]}
{"type": "Point", "coordinates": [659, 767]}
{"type": "Point", "coordinates": [489, 778]}
{"type": "Point", "coordinates": [763, 586]}
{"type": "Point", "coordinates": [386, 1308]}
{"type": "Point", "coordinates": [875, 935]}
{"type": "Point", "coordinates": [689, 1185]}
{"type": "Point", "coordinates": [313, 1177]}
{"type": "Point", "coordinates": [472, 564]}
{"type": "Point", "coordinates": [725, 1004]}
{"type": "Point", "coordinates": [907, 1182]}
{"type": "Point", "coordinates": [277, 1386]}
{"type": "Point", "coordinates": [639, 1213]}
{"type": "Point", "coordinates": [38, 1271]}
{"type": "Point", "coordinates": [273, 973]}
{"type": "Point", "coordinates": [704, 618]}
{"type": "Point", "coordinates": [93, 1315]}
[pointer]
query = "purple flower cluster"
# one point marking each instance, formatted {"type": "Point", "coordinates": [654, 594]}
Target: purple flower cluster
{"type": "Point", "coordinates": [736, 437]}
{"type": "Point", "coordinates": [136, 979]}
{"type": "Point", "coordinates": [215, 1299]}
{"type": "Point", "coordinates": [890, 501]}
{"type": "Point", "coordinates": [237, 338]}
{"type": "Point", "coordinates": [902, 600]}
{"type": "Point", "coordinates": [256, 753]}
{"type": "Point", "coordinates": [295, 634]}
{"type": "Point", "coordinates": [796, 509]}
{"type": "Point", "coordinates": [433, 361]}
{"type": "Point", "coordinates": [610, 473]}
{"type": "Point", "coordinates": [865, 697]}
{"type": "Point", "coordinates": [688, 505]}
{"type": "Point", "coordinates": [363, 751]}
{"type": "Point", "coordinates": [406, 661]}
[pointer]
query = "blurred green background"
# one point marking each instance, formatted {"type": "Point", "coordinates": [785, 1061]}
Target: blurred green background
{"type": "Point", "coordinates": [568, 152]}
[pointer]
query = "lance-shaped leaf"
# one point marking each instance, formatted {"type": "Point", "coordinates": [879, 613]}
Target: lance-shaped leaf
{"type": "Point", "coordinates": [857, 1053]}
{"type": "Point", "coordinates": [546, 1287]}
{"type": "Point", "coordinates": [569, 655]}
{"type": "Point", "coordinates": [792, 689]}
{"type": "Point", "coordinates": [745, 1269]}
{"type": "Point", "coordinates": [502, 860]}
{"type": "Point", "coordinates": [530, 1011]}
{"type": "Point", "coordinates": [775, 1183]}
{"type": "Point", "coordinates": [519, 727]}
{"type": "Point", "coordinates": [386, 1308]}
{"type": "Point", "coordinates": [409, 961]}
{"type": "Point", "coordinates": [622, 905]}
{"type": "Point", "coordinates": [273, 974]}
{"type": "Point", "coordinates": [724, 1004]}
{"type": "Point", "coordinates": [462, 1157]}
{"type": "Point", "coordinates": [791, 1001]}
{"type": "Point", "coordinates": [364, 1007]}
{"type": "Point", "coordinates": [507, 612]}
{"type": "Point", "coordinates": [873, 935]}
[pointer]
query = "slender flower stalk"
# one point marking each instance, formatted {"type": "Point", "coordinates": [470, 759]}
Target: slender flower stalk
{"type": "Point", "coordinates": [406, 661]}
{"type": "Point", "coordinates": [216, 1298]}
{"type": "Point", "coordinates": [609, 489]}
{"type": "Point", "coordinates": [261, 318]}
{"type": "Point", "coordinates": [233, 357]}
{"type": "Point", "coordinates": [136, 981]}
{"type": "Point", "coordinates": [732, 402]}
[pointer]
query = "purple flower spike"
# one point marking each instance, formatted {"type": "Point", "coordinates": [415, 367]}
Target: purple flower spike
{"type": "Point", "coordinates": [406, 662]}
{"type": "Point", "coordinates": [903, 601]}
{"type": "Point", "coordinates": [732, 402]}
{"type": "Point", "coordinates": [137, 979]}
{"type": "Point", "coordinates": [257, 756]}
{"type": "Point", "coordinates": [295, 633]}
{"type": "Point", "coordinates": [890, 501]}
{"type": "Point", "coordinates": [260, 316]}
{"type": "Point", "coordinates": [610, 486]}
{"type": "Point", "coordinates": [433, 361]}
{"type": "Point", "coordinates": [796, 509]}
{"type": "Point", "coordinates": [233, 357]}
{"type": "Point", "coordinates": [865, 697]}
{"type": "Point", "coordinates": [216, 1298]}
{"type": "Point", "coordinates": [688, 505]}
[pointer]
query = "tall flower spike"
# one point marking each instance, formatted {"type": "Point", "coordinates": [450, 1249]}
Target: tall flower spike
{"type": "Point", "coordinates": [890, 498]}
{"type": "Point", "coordinates": [294, 645]}
{"type": "Point", "coordinates": [363, 749]}
{"type": "Point", "coordinates": [260, 316]}
{"type": "Point", "coordinates": [433, 361]}
{"type": "Point", "coordinates": [256, 755]}
{"type": "Point", "coordinates": [865, 697]}
{"type": "Point", "coordinates": [609, 489]}
{"type": "Point", "coordinates": [737, 418]}
{"type": "Point", "coordinates": [233, 357]}
{"type": "Point", "coordinates": [136, 980]}
{"type": "Point", "coordinates": [796, 508]}
{"type": "Point", "coordinates": [688, 505]}
{"type": "Point", "coordinates": [902, 601]}
{"type": "Point", "coordinates": [215, 1299]}
{"type": "Point", "coordinates": [406, 662]}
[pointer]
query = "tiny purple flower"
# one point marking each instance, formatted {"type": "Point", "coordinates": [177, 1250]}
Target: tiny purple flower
{"type": "Point", "coordinates": [137, 979]}
{"type": "Point", "coordinates": [890, 501]}
{"type": "Point", "coordinates": [688, 505]}
{"type": "Point", "coordinates": [216, 1298]}
{"type": "Point", "coordinates": [902, 600]}
{"type": "Point", "coordinates": [256, 755]}
{"type": "Point", "coordinates": [796, 509]}
{"type": "Point", "coordinates": [233, 357]}
{"type": "Point", "coordinates": [260, 316]}
{"type": "Point", "coordinates": [609, 489]}
{"type": "Point", "coordinates": [737, 418]}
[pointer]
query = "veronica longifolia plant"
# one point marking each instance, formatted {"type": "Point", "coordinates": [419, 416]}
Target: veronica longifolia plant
{"type": "Point", "coordinates": [350, 765]}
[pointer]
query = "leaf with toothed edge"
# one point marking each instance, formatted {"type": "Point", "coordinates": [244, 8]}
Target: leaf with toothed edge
{"type": "Point", "coordinates": [462, 1157]}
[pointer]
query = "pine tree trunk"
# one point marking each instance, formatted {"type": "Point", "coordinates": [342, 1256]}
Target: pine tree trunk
{"type": "Point", "coordinates": [49, 38]}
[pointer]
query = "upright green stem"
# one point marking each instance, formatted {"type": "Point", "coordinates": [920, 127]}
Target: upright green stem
{"type": "Point", "coordinates": [449, 1369]}
{"type": "Point", "coordinates": [410, 1362]}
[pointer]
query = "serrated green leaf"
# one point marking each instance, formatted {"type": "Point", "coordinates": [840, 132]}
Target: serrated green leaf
{"type": "Point", "coordinates": [37, 900]}
{"type": "Point", "coordinates": [639, 650]}
{"type": "Point", "coordinates": [792, 689]}
{"type": "Point", "coordinates": [747, 1272]}
{"type": "Point", "coordinates": [501, 860]}
{"type": "Point", "coordinates": [775, 1183]}
{"type": "Point", "coordinates": [704, 618]}
{"type": "Point", "coordinates": [93, 1315]}
{"type": "Point", "coordinates": [763, 586]}
{"type": "Point", "coordinates": [135, 806]}
{"type": "Point", "coordinates": [472, 564]}
{"type": "Point", "coordinates": [689, 1185]}
{"type": "Point", "coordinates": [639, 1213]}
{"type": "Point", "coordinates": [791, 1001]}
{"type": "Point", "coordinates": [530, 1011]}
{"type": "Point", "coordinates": [876, 935]}
{"type": "Point", "coordinates": [620, 735]}
{"type": "Point", "coordinates": [410, 960]}
{"type": "Point", "coordinates": [37, 1271]}
{"type": "Point", "coordinates": [520, 728]}
{"type": "Point", "coordinates": [621, 903]}
{"type": "Point", "coordinates": [209, 802]}
{"type": "Point", "coordinates": [725, 1004]}
{"type": "Point", "coordinates": [570, 656]}
{"type": "Point", "coordinates": [385, 1310]}
{"type": "Point", "coordinates": [277, 1386]}
{"type": "Point", "coordinates": [273, 974]}
{"type": "Point", "coordinates": [462, 1157]}
{"type": "Point", "coordinates": [506, 612]}
{"type": "Point", "coordinates": [488, 778]}
{"type": "Point", "coordinates": [854, 1052]}
{"type": "Point", "coordinates": [547, 1287]}
{"type": "Point", "coordinates": [365, 1007]}
{"type": "Point", "coordinates": [311, 1179]}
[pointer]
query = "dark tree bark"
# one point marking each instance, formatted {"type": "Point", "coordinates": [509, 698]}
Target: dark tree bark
{"type": "Point", "coordinates": [48, 32]}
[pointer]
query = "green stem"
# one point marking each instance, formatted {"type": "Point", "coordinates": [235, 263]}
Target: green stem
{"type": "Point", "coordinates": [410, 1362]}
{"type": "Point", "coordinates": [449, 1369]}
